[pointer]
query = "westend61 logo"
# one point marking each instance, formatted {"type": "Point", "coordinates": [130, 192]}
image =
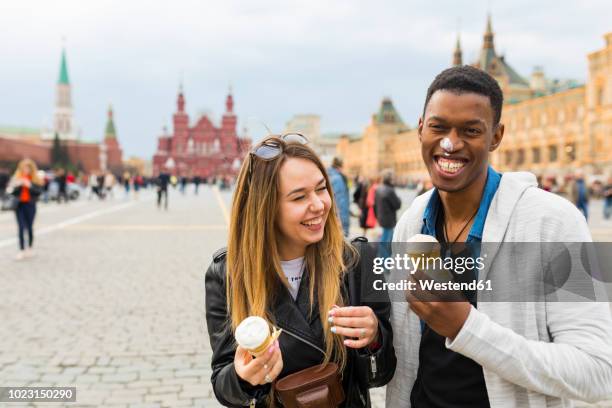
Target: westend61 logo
{"type": "Point", "coordinates": [423, 262]}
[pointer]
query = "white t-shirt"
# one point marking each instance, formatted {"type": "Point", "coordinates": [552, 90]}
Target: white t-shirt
{"type": "Point", "coordinates": [293, 271]}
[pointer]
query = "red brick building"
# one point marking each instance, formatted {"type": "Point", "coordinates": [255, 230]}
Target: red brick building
{"type": "Point", "coordinates": [203, 149]}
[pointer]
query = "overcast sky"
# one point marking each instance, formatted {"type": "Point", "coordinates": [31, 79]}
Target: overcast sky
{"type": "Point", "coordinates": [333, 58]}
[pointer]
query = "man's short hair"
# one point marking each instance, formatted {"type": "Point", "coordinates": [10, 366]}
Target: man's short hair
{"type": "Point", "coordinates": [467, 79]}
{"type": "Point", "coordinates": [337, 162]}
{"type": "Point", "coordinates": [387, 175]}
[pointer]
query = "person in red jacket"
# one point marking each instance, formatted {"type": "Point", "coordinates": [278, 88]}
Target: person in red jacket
{"type": "Point", "coordinates": [26, 186]}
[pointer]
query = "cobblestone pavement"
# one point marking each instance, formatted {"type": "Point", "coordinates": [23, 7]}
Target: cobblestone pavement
{"type": "Point", "coordinates": [112, 302]}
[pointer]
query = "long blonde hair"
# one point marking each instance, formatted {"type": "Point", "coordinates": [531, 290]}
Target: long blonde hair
{"type": "Point", "coordinates": [33, 171]}
{"type": "Point", "coordinates": [254, 274]}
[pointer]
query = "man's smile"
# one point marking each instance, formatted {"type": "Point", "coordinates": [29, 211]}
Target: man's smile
{"type": "Point", "coordinates": [450, 165]}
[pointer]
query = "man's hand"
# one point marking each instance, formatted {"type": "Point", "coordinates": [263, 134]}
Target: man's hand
{"type": "Point", "coordinates": [444, 312]}
{"type": "Point", "coordinates": [445, 318]}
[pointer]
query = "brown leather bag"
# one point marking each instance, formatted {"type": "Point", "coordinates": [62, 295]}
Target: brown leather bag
{"type": "Point", "coordinates": [314, 387]}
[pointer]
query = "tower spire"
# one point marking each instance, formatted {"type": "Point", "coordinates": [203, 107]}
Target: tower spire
{"type": "Point", "coordinates": [488, 35]}
{"type": "Point", "coordinates": [181, 99]}
{"type": "Point", "coordinates": [63, 76]}
{"type": "Point", "coordinates": [110, 132]}
{"type": "Point", "coordinates": [229, 101]}
{"type": "Point", "coordinates": [62, 120]}
{"type": "Point", "coordinates": [458, 54]}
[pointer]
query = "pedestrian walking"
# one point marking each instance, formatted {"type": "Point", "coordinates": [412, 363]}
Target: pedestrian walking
{"type": "Point", "coordinates": [138, 183]}
{"type": "Point", "coordinates": [360, 197]}
{"type": "Point", "coordinates": [26, 186]}
{"type": "Point", "coordinates": [62, 185]}
{"type": "Point", "coordinates": [127, 179]}
{"type": "Point", "coordinates": [339, 184]}
{"type": "Point", "coordinates": [4, 180]}
{"type": "Point", "coordinates": [92, 184]}
{"type": "Point", "coordinates": [533, 352]}
{"type": "Point", "coordinates": [580, 194]}
{"type": "Point", "coordinates": [387, 203]}
{"type": "Point", "coordinates": [607, 195]}
{"type": "Point", "coordinates": [183, 186]}
{"type": "Point", "coordinates": [109, 184]}
{"type": "Point", "coordinates": [371, 220]}
{"type": "Point", "coordinates": [196, 181]}
{"type": "Point", "coordinates": [101, 189]}
{"type": "Point", "coordinates": [287, 262]}
{"type": "Point", "coordinates": [162, 189]}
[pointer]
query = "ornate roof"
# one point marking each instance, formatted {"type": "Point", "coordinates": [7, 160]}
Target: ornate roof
{"type": "Point", "coordinates": [494, 64]}
{"type": "Point", "coordinates": [387, 114]}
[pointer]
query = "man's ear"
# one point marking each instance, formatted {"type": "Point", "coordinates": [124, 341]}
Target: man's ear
{"type": "Point", "coordinates": [420, 129]}
{"type": "Point", "coordinates": [497, 137]}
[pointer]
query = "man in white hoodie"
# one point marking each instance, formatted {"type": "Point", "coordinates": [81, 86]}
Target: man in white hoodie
{"type": "Point", "coordinates": [485, 353]}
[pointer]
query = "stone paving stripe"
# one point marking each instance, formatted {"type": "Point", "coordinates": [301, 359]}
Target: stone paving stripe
{"type": "Point", "coordinates": [72, 221]}
{"type": "Point", "coordinates": [94, 227]}
{"type": "Point", "coordinates": [222, 204]}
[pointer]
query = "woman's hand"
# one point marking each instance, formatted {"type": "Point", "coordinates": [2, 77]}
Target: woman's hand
{"type": "Point", "coordinates": [260, 370]}
{"type": "Point", "coordinates": [357, 322]}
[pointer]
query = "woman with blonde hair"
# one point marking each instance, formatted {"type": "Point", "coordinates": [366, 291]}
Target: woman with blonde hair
{"type": "Point", "coordinates": [25, 186]}
{"type": "Point", "coordinates": [287, 261]}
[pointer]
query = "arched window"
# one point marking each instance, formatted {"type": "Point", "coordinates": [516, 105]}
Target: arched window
{"type": "Point", "coordinates": [552, 153]}
{"type": "Point", "coordinates": [535, 154]}
{"type": "Point", "coordinates": [600, 96]}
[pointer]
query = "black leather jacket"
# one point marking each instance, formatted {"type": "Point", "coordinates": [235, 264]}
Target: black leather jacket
{"type": "Point", "coordinates": [301, 342]}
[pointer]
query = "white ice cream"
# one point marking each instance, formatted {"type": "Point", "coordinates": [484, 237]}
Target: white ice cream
{"type": "Point", "coordinates": [252, 332]}
{"type": "Point", "coordinates": [421, 243]}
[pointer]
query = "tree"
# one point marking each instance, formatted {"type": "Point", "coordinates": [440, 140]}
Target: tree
{"type": "Point", "coordinates": [59, 154]}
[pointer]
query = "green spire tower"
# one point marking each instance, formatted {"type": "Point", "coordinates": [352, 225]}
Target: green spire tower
{"type": "Point", "coordinates": [110, 132]}
{"type": "Point", "coordinates": [63, 121]}
{"type": "Point", "coordinates": [63, 77]}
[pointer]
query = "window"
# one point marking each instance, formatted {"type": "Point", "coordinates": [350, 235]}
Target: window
{"type": "Point", "coordinates": [570, 152]}
{"type": "Point", "coordinates": [552, 153]}
{"type": "Point", "coordinates": [508, 157]}
{"type": "Point", "coordinates": [600, 96]}
{"type": "Point", "coordinates": [535, 154]}
{"type": "Point", "coordinates": [561, 116]}
{"type": "Point", "coordinates": [520, 156]}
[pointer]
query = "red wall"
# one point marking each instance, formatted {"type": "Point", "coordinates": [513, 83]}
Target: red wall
{"type": "Point", "coordinates": [88, 154]}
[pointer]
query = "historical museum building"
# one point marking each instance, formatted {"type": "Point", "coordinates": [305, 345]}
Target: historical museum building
{"type": "Point", "coordinates": [203, 149]}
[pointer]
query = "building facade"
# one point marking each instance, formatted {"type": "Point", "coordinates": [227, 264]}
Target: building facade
{"type": "Point", "coordinates": [552, 127]}
{"type": "Point", "coordinates": [310, 126]}
{"type": "Point", "coordinates": [202, 149]}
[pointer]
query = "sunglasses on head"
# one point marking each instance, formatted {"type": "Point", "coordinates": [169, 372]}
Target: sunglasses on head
{"type": "Point", "coordinates": [272, 147]}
